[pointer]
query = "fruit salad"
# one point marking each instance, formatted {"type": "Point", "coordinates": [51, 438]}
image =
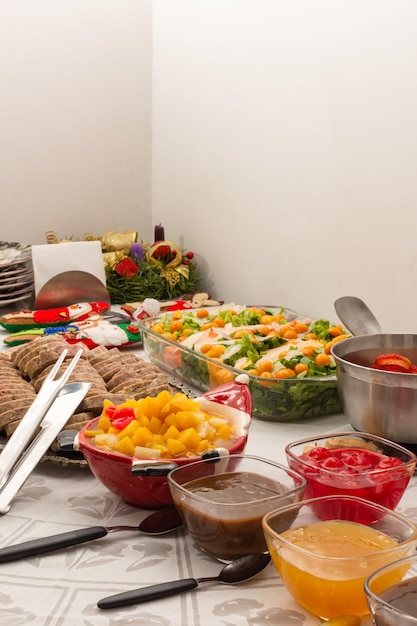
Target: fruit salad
{"type": "Point", "coordinates": [161, 427]}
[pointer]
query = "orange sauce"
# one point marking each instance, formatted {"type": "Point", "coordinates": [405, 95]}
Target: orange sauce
{"type": "Point", "coordinates": [328, 587]}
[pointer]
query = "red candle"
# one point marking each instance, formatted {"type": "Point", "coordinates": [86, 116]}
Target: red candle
{"type": "Point", "coordinates": [159, 233]}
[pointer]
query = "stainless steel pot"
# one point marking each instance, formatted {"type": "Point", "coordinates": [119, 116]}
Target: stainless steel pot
{"type": "Point", "coordinates": [374, 401]}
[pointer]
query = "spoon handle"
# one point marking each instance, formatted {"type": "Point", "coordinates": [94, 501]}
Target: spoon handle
{"type": "Point", "coordinates": [145, 594]}
{"type": "Point", "coordinates": [48, 544]}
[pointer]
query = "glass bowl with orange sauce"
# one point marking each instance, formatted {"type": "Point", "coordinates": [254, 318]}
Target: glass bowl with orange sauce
{"type": "Point", "coordinates": [323, 563]}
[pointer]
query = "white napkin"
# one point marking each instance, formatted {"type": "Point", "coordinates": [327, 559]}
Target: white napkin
{"type": "Point", "coordinates": [56, 258]}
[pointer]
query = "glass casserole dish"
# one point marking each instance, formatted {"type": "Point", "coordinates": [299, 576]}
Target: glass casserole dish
{"type": "Point", "coordinates": [286, 355]}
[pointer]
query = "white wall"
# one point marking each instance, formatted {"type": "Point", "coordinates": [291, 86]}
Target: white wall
{"type": "Point", "coordinates": [284, 139]}
{"type": "Point", "coordinates": [75, 117]}
{"type": "Point", "coordinates": [284, 149]}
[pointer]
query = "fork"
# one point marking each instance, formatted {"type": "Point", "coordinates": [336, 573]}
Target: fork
{"type": "Point", "coordinates": [33, 417]}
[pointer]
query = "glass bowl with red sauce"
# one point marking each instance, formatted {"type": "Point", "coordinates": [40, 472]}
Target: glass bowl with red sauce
{"type": "Point", "coordinates": [352, 463]}
{"type": "Point", "coordinates": [222, 501]}
{"type": "Point", "coordinates": [391, 593]}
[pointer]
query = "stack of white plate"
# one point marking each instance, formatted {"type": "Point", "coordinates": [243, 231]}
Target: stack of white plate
{"type": "Point", "coordinates": [16, 273]}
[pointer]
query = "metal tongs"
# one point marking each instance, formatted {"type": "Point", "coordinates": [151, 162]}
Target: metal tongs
{"type": "Point", "coordinates": [49, 412]}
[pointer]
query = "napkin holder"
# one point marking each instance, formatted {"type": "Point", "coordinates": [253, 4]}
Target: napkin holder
{"type": "Point", "coordinates": [66, 273]}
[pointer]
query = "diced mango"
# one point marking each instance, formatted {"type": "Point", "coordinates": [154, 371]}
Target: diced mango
{"type": "Point", "coordinates": [224, 432]}
{"type": "Point", "coordinates": [190, 438]}
{"type": "Point", "coordinates": [146, 406]}
{"type": "Point", "coordinates": [187, 419]}
{"type": "Point", "coordinates": [182, 403]}
{"type": "Point", "coordinates": [158, 440]}
{"type": "Point", "coordinates": [203, 446]}
{"type": "Point", "coordinates": [103, 423]}
{"type": "Point", "coordinates": [171, 433]}
{"type": "Point", "coordinates": [161, 400]}
{"type": "Point", "coordinates": [144, 420]}
{"type": "Point", "coordinates": [175, 447]}
{"type": "Point", "coordinates": [93, 433]}
{"type": "Point", "coordinates": [130, 429]}
{"type": "Point", "coordinates": [142, 436]}
{"type": "Point", "coordinates": [155, 424]}
{"type": "Point", "coordinates": [106, 405]}
{"type": "Point", "coordinates": [125, 446]}
{"type": "Point", "coordinates": [162, 449]}
{"type": "Point", "coordinates": [171, 420]}
{"type": "Point", "coordinates": [165, 427]}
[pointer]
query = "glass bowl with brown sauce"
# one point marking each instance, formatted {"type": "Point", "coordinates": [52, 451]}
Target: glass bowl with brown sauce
{"type": "Point", "coordinates": [222, 501]}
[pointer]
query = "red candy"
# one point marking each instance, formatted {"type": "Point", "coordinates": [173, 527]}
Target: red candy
{"type": "Point", "coordinates": [120, 418]}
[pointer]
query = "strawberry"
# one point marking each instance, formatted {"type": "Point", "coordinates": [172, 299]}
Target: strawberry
{"type": "Point", "coordinates": [392, 363]}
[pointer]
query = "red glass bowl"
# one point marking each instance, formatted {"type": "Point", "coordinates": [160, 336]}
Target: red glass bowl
{"type": "Point", "coordinates": [147, 490]}
{"type": "Point", "coordinates": [352, 463]}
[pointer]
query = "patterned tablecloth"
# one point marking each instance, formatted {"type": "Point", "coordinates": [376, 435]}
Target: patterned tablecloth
{"type": "Point", "coordinates": [62, 589]}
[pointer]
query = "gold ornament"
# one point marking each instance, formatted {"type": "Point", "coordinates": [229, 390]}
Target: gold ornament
{"type": "Point", "coordinates": [111, 259]}
{"type": "Point", "coordinates": [51, 236]}
{"type": "Point", "coordinates": [171, 276]}
{"type": "Point", "coordinates": [91, 237]}
{"type": "Point", "coordinates": [172, 270]}
{"type": "Point", "coordinates": [113, 241]}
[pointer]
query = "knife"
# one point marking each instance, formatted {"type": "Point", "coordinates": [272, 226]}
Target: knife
{"type": "Point", "coordinates": [27, 427]}
{"type": "Point", "coordinates": [55, 419]}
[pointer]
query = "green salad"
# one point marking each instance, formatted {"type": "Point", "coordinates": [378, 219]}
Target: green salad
{"type": "Point", "coordinates": [287, 357]}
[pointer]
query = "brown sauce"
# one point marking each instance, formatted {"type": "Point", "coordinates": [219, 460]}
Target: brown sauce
{"type": "Point", "coordinates": [235, 487]}
{"type": "Point", "coordinates": [239, 532]}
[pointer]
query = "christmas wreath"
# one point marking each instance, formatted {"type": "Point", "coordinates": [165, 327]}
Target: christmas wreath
{"type": "Point", "coordinates": [161, 271]}
{"type": "Point", "coordinates": [136, 270]}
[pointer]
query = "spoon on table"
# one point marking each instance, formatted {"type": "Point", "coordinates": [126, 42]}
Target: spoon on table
{"type": "Point", "coordinates": [234, 572]}
{"type": "Point", "coordinates": [157, 523]}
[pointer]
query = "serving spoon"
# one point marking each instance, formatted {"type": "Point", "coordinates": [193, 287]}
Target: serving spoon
{"type": "Point", "coordinates": [234, 572]}
{"type": "Point", "coordinates": [356, 316]}
{"type": "Point", "coordinates": [157, 523]}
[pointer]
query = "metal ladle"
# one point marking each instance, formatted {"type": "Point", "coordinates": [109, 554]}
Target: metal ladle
{"type": "Point", "coordinates": [356, 316]}
{"type": "Point", "coordinates": [234, 572]}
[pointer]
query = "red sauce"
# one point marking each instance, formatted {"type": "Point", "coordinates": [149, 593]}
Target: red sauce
{"type": "Point", "coordinates": [353, 471]}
